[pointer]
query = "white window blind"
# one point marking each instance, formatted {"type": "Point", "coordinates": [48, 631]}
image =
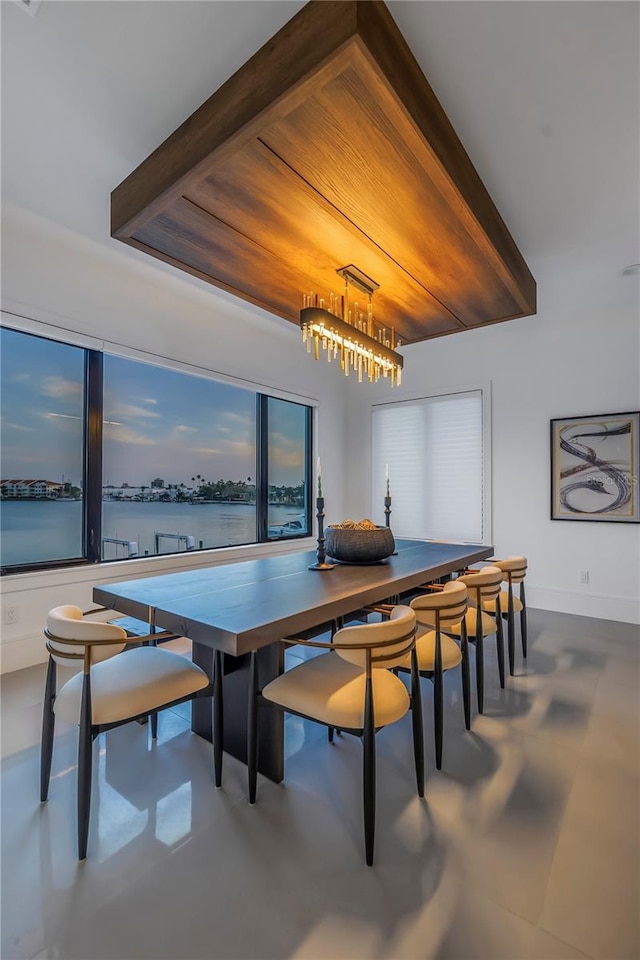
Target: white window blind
{"type": "Point", "coordinates": [435, 454]}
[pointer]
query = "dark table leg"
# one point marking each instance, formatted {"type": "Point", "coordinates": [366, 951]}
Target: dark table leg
{"type": "Point", "coordinates": [235, 694]}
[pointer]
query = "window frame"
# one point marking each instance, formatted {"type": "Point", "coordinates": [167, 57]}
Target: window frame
{"type": "Point", "coordinates": [93, 406]}
{"type": "Point", "coordinates": [262, 468]}
{"type": "Point", "coordinates": [88, 373]}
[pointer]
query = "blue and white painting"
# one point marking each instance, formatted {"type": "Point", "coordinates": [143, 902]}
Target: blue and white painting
{"type": "Point", "coordinates": [595, 468]}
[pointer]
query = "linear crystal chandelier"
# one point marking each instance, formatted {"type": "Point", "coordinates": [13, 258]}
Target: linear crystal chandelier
{"type": "Point", "coordinates": [345, 328]}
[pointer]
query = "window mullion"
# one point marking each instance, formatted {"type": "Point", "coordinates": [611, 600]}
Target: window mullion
{"type": "Point", "coordinates": [308, 484]}
{"type": "Point", "coordinates": [262, 466]}
{"type": "Point", "coordinates": [93, 456]}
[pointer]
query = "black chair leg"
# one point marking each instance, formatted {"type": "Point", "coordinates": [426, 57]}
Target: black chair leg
{"type": "Point", "coordinates": [154, 725]}
{"type": "Point", "coordinates": [480, 673]}
{"type": "Point", "coordinates": [369, 775]}
{"type": "Point", "coordinates": [511, 636]}
{"type": "Point", "coordinates": [218, 714]}
{"type": "Point", "coordinates": [85, 752]}
{"type": "Point", "coordinates": [335, 626]}
{"type": "Point", "coordinates": [523, 621]}
{"type": "Point", "coordinates": [466, 687]}
{"type": "Point", "coordinates": [48, 725]}
{"type": "Point", "coordinates": [252, 728]}
{"type": "Point", "coordinates": [438, 702]}
{"type": "Point", "coordinates": [416, 717]}
{"type": "Point", "coordinates": [500, 649]}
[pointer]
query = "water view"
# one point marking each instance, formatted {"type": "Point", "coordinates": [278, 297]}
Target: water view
{"type": "Point", "coordinates": [179, 457]}
{"type": "Point", "coordinates": [41, 530]}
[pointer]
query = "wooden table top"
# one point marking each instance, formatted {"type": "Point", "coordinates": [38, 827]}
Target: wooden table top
{"type": "Point", "coordinates": [238, 607]}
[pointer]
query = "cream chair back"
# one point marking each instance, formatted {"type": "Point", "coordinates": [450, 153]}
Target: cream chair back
{"type": "Point", "coordinates": [446, 607]}
{"type": "Point", "coordinates": [379, 639]}
{"type": "Point", "coordinates": [513, 568]}
{"type": "Point", "coordinates": [483, 585]}
{"type": "Point", "coordinates": [66, 623]}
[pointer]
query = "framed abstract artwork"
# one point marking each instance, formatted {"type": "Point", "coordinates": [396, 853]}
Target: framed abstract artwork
{"type": "Point", "coordinates": [594, 468]}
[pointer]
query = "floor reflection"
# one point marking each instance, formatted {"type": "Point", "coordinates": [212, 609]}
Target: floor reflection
{"type": "Point", "coordinates": [519, 849]}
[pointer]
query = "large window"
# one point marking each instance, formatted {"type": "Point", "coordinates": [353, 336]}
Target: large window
{"type": "Point", "coordinates": [287, 433]}
{"type": "Point", "coordinates": [179, 461]}
{"type": "Point", "coordinates": [42, 405]}
{"type": "Point", "coordinates": [434, 451]}
{"type": "Point", "coordinates": [106, 458]}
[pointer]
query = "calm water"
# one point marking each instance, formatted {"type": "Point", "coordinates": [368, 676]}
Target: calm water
{"type": "Point", "coordinates": [51, 530]}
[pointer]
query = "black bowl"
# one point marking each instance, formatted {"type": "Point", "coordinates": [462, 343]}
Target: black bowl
{"type": "Point", "coordinates": [359, 546]}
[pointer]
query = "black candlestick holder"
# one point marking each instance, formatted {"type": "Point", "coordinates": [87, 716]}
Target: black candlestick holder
{"type": "Point", "coordinates": [387, 517]}
{"type": "Point", "coordinates": [321, 562]}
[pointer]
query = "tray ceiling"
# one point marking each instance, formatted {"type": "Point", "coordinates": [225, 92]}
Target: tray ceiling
{"type": "Point", "coordinates": [327, 148]}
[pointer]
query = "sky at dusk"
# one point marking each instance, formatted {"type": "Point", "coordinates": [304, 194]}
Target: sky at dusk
{"type": "Point", "coordinates": [157, 422]}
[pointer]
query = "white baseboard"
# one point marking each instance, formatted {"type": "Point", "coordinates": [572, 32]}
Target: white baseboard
{"type": "Point", "coordinates": [21, 653]}
{"type": "Point", "coordinates": [599, 605]}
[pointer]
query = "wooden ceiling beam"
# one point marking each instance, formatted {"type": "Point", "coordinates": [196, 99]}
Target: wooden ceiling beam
{"type": "Point", "coordinates": [365, 158]}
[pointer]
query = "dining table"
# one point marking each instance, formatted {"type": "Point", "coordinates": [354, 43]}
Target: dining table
{"type": "Point", "coordinates": [228, 610]}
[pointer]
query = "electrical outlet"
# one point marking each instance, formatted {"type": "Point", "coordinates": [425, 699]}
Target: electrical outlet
{"type": "Point", "coordinates": [584, 576]}
{"type": "Point", "coordinates": [10, 615]}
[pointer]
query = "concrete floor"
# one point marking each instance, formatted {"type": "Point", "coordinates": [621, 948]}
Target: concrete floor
{"type": "Point", "coordinates": [526, 845]}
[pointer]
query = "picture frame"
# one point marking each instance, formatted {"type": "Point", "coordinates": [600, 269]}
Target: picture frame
{"type": "Point", "coordinates": [595, 468]}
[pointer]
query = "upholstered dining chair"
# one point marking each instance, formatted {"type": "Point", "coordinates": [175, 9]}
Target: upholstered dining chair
{"type": "Point", "coordinates": [483, 586]}
{"type": "Point", "coordinates": [352, 689]}
{"type": "Point", "coordinates": [514, 570]}
{"type": "Point", "coordinates": [115, 686]}
{"type": "Point", "coordinates": [442, 607]}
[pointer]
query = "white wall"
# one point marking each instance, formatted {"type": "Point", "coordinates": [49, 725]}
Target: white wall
{"type": "Point", "coordinates": [83, 289]}
{"type": "Point", "coordinates": [579, 355]}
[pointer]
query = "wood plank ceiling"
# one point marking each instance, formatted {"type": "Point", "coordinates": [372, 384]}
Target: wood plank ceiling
{"type": "Point", "coordinates": [327, 148]}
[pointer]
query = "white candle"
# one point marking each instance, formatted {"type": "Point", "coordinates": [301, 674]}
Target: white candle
{"type": "Point", "coordinates": [319, 472]}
